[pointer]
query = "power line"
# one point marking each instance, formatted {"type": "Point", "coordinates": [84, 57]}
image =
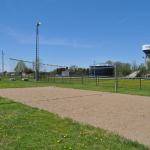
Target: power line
{"type": "Point", "coordinates": [21, 60]}
{"type": "Point", "coordinates": [32, 62]}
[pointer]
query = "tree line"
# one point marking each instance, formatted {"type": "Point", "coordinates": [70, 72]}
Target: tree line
{"type": "Point", "coordinates": [123, 69]}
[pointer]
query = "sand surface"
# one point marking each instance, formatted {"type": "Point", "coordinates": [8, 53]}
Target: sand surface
{"type": "Point", "coordinates": [126, 115]}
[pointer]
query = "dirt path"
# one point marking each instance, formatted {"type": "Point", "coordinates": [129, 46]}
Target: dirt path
{"type": "Point", "coordinates": [126, 115]}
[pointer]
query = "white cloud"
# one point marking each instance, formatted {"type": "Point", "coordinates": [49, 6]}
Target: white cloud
{"type": "Point", "coordinates": [23, 38]}
{"type": "Point", "coordinates": [64, 42]}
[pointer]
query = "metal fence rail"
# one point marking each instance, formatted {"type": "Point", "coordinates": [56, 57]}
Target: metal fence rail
{"type": "Point", "coordinates": [110, 84]}
{"type": "Point", "coordinates": [95, 83]}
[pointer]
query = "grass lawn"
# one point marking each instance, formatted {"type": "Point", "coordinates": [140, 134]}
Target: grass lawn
{"type": "Point", "coordinates": [23, 127]}
{"type": "Point", "coordinates": [124, 86]}
{"type": "Point", "coordinates": [21, 84]}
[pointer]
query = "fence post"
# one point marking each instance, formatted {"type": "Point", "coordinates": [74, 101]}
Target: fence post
{"type": "Point", "coordinates": [82, 79]}
{"type": "Point", "coordinates": [116, 85]}
{"type": "Point", "coordinates": [140, 83]}
{"type": "Point", "coordinates": [96, 80]}
{"type": "Point", "coordinates": [116, 79]}
{"type": "Point", "coordinates": [48, 77]}
{"type": "Point", "coordinates": [54, 79]}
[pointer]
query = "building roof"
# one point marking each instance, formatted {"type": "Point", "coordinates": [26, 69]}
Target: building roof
{"type": "Point", "coordinates": [102, 65]}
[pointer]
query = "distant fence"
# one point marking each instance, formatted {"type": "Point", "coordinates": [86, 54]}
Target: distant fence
{"type": "Point", "coordinates": [106, 84]}
{"type": "Point", "coordinates": [95, 83]}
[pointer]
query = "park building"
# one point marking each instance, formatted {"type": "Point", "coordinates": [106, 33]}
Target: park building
{"type": "Point", "coordinates": [63, 72]}
{"type": "Point", "coordinates": [103, 70]}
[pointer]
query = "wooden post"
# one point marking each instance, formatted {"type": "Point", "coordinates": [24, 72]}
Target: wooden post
{"type": "Point", "coordinates": [82, 79]}
{"type": "Point", "coordinates": [62, 79]}
{"type": "Point", "coordinates": [140, 83]}
{"type": "Point", "coordinates": [116, 79]}
{"type": "Point", "coordinates": [96, 80]}
{"type": "Point", "coordinates": [54, 79]}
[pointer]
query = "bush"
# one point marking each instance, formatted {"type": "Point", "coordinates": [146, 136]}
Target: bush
{"type": "Point", "coordinates": [12, 79]}
{"type": "Point", "coordinates": [25, 79]}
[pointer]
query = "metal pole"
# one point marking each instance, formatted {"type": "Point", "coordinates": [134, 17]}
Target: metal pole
{"type": "Point", "coordinates": [37, 52]}
{"type": "Point", "coordinates": [96, 80]}
{"type": "Point", "coordinates": [82, 79]}
{"type": "Point", "coordinates": [36, 60]}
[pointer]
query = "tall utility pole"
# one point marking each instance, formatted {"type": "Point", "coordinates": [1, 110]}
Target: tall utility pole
{"type": "Point", "coordinates": [37, 52]}
{"type": "Point", "coordinates": [2, 62]}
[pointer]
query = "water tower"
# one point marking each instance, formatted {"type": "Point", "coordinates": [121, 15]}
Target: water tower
{"type": "Point", "coordinates": [146, 50]}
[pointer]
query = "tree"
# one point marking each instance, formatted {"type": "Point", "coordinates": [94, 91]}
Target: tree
{"type": "Point", "coordinates": [109, 62]}
{"type": "Point", "coordinates": [78, 71]}
{"type": "Point", "coordinates": [123, 69]}
{"type": "Point", "coordinates": [148, 66]}
{"type": "Point", "coordinates": [20, 67]}
{"type": "Point", "coordinates": [134, 66]}
{"type": "Point", "coordinates": [28, 71]}
{"type": "Point", "coordinates": [142, 70]}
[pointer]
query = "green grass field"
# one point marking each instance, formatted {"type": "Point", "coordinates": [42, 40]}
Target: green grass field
{"type": "Point", "coordinates": [21, 84]}
{"type": "Point", "coordinates": [23, 127]}
{"type": "Point", "coordinates": [127, 86]}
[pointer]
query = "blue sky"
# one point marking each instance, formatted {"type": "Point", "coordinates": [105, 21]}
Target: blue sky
{"type": "Point", "coordinates": [75, 31]}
